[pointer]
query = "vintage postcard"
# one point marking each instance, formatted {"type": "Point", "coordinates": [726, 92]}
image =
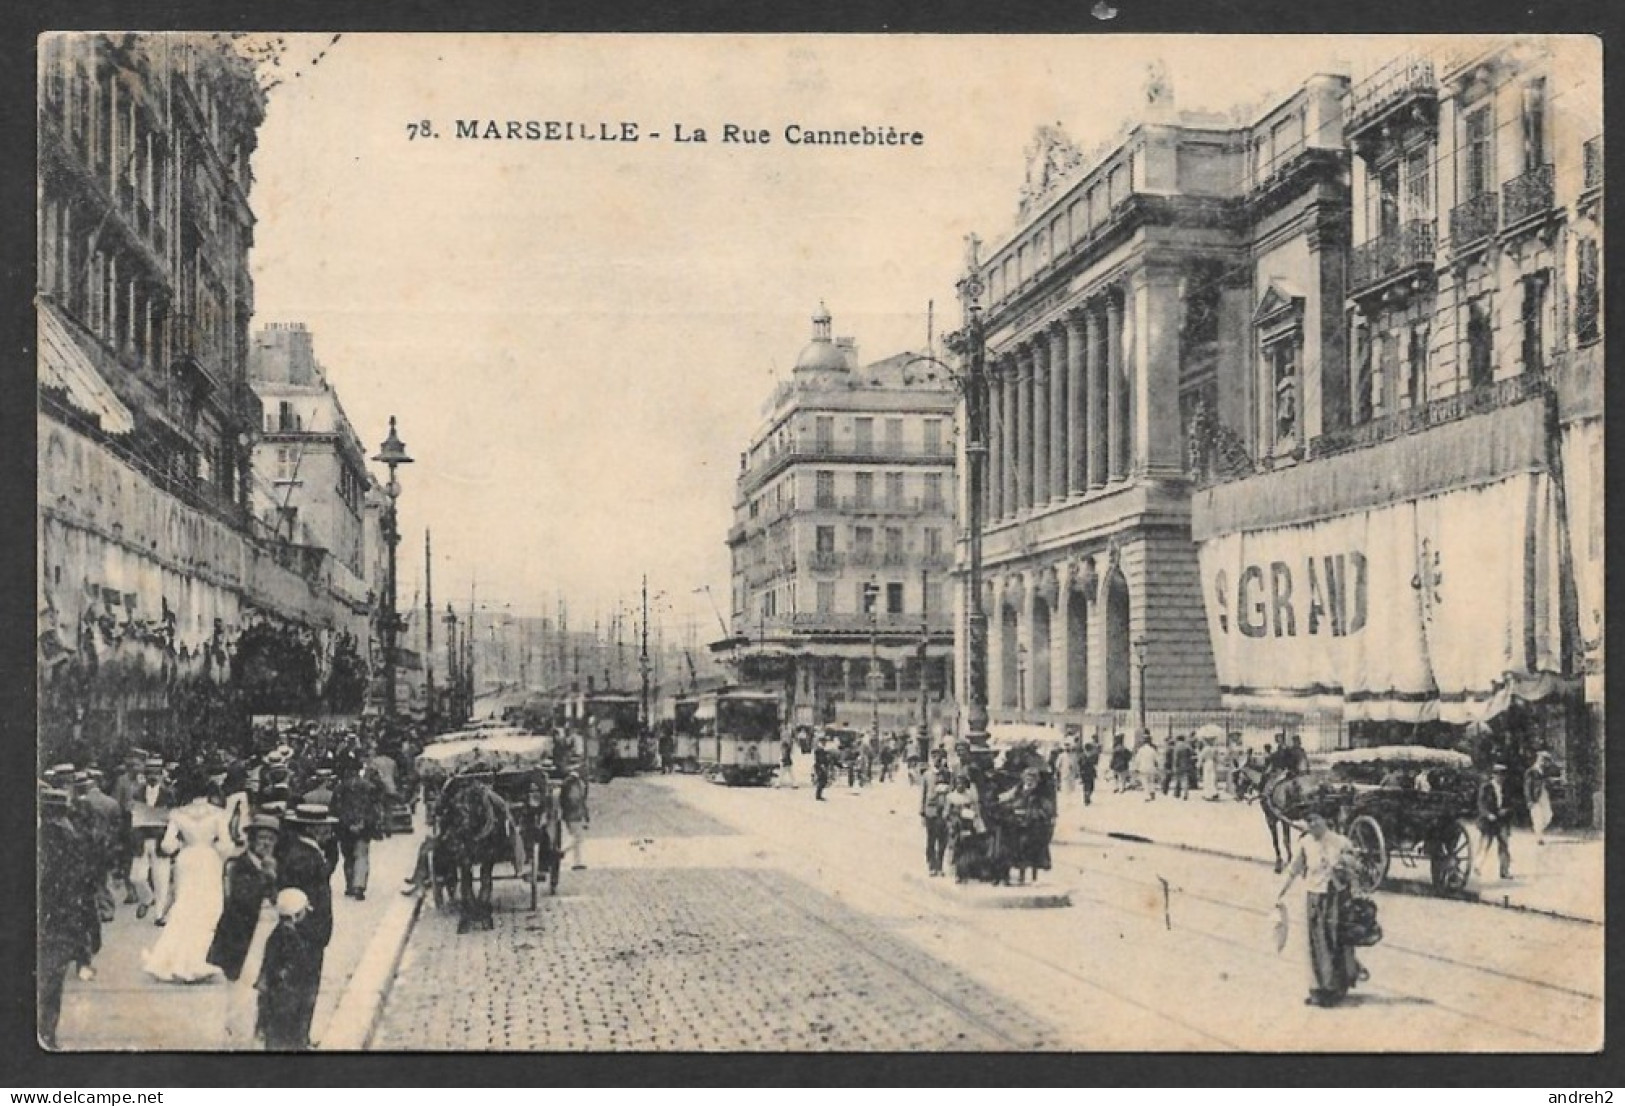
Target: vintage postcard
{"type": "Point", "coordinates": [623, 543]}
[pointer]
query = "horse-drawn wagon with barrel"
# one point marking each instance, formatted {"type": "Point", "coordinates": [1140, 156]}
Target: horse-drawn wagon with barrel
{"type": "Point", "coordinates": [1407, 802]}
{"type": "Point", "coordinates": [491, 801]}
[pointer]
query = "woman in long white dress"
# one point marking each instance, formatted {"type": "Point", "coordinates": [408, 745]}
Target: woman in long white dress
{"type": "Point", "coordinates": [198, 836]}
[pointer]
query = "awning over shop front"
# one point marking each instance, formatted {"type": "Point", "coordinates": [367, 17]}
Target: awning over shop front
{"type": "Point", "coordinates": [1412, 611]}
{"type": "Point", "coordinates": [64, 364]}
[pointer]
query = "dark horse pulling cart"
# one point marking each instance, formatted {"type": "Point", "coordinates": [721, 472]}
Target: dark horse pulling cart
{"type": "Point", "coordinates": [1404, 801]}
{"type": "Point", "coordinates": [497, 806]}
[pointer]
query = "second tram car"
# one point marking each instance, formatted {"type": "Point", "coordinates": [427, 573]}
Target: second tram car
{"type": "Point", "coordinates": [615, 733]}
{"type": "Point", "coordinates": [686, 733]}
{"type": "Point", "coordinates": [736, 732]}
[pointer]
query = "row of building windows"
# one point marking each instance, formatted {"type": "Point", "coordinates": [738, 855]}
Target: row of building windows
{"type": "Point", "coordinates": [891, 493]}
{"type": "Point", "coordinates": [890, 598]}
{"type": "Point", "coordinates": [1402, 186]}
{"type": "Point", "coordinates": [893, 488]}
{"type": "Point", "coordinates": [869, 435]}
{"type": "Point", "coordinates": [894, 537]}
{"type": "Point", "coordinates": [1051, 241]}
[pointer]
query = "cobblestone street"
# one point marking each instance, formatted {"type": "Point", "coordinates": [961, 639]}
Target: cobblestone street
{"type": "Point", "coordinates": [731, 958]}
{"type": "Point", "coordinates": [714, 918]}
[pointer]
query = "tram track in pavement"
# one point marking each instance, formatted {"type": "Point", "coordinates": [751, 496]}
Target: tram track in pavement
{"type": "Point", "coordinates": [922, 898]}
{"type": "Point", "coordinates": [982, 1022]}
{"type": "Point", "coordinates": [1391, 946]}
{"type": "Point", "coordinates": [968, 922]}
{"type": "Point", "coordinates": [1475, 1015]}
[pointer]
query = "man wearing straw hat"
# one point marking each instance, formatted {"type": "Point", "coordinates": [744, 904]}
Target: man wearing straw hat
{"type": "Point", "coordinates": [149, 814]}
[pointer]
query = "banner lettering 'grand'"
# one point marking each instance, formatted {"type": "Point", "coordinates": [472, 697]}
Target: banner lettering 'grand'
{"type": "Point", "coordinates": [1332, 596]}
{"type": "Point", "coordinates": [1410, 611]}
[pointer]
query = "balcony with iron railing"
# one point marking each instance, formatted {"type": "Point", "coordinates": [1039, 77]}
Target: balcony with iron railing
{"type": "Point", "coordinates": [1403, 83]}
{"type": "Point", "coordinates": [863, 557]}
{"type": "Point", "coordinates": [1472, 401]}
{"type": "Point", "coordinates": [891, 505]}
{"type": "Point", "coordinates": [1474, 221]}
{"type": "Point", "coordinates": [1592, 163]}
{"type": "Point", "coordinates": [825, 560]}
{"type": "Point", "coordinates": [193, 349]}
{"type": "Point", "coordinates": [1528, 195]}
{"type": "Point", "coordinates": [1408, 249]}
{"type": "Point", "coordinates": [883, 622]}
{"type": "Point", "coordinates": [894, 558]}
{"type": "Point", "coordinates": [767, 465]}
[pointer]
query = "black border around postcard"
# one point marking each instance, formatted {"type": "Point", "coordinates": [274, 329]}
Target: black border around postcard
{"type": "Point", "coordinates": [25, 1066]}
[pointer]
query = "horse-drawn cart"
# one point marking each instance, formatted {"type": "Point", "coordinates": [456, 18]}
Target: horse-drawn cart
{"type": "Point", "coordinates": [491, 802]}
{"type": "Point", "coordinates": [1406, 801]}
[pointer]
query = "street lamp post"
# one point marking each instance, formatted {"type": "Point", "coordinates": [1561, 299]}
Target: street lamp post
{"type": "Point", "coordinates": [391, 454]}
{"type": "Point", "coordinates": [1139, 663]}
{"type": "Point", "coordinates": [454, 680]}
{"type": "Point", "coordinates": [969, 344]}
{"type": "Point", "coordinates": [871, 597]}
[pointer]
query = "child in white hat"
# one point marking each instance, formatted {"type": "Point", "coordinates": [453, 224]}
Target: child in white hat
{"type": "Point", "coordinates": [289, 978]}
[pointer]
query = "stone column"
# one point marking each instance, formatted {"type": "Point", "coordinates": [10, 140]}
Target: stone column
{"type": "Point", "coordinates": [1099, 393]}
{"type": "Point", "coordinates": [1060, 640]}
{"type": "Point", "coordinates": [1059, 470]}
{"type": "Point", "coordinates": [1158, 437]}
{"type": "Point", "coordinates": [993, 476]}
{"type": "Point", "coordinates": [1041, 421]}
{"type": "Point", "coordinates": [1077, 409]}
{"type": "Point", "coordinates": [1024, 429]}
{"type": "Point", "coordinates": [1096, 618]}
{"type": "Point", "coordinates": [1012, 431]}
{"type": "Point", "coordinates": [1118, 430]}
{"type": "Point", "coordinates": [1026, 669]}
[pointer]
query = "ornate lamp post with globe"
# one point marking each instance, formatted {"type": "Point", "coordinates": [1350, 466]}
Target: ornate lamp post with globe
{"type": "Point", "coordinates": [969, 345]}
{"type": "Point", "coordinates": [391, 454]}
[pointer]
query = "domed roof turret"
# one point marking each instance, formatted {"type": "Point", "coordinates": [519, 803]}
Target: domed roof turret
{"type": "Point", "coordinates": [821, 354]}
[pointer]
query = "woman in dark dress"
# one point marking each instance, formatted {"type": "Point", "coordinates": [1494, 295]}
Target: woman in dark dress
{"type": "Point", "coordinates": [250, 883]}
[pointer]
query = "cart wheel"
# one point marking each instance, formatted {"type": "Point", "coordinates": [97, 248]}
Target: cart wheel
{"type": "Point", "coordinates": [1371, 850]}
{"type": "Point", "coordinates": [535, 870]}
{"type": "Point", "coordinates": [1451, 853]}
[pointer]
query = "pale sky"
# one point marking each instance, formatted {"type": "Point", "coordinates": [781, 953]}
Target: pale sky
{"type": "Point", "coordinates": [578, 337]}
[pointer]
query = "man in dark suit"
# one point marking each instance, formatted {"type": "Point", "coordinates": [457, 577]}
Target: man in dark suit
{"type": "Point", "coordinates": [1495, 818]}
{"type": "Point", "coordinates": [934, 792]}
{"type": "Point", "coordinates": [304, 866]}
{"type": "Point", "coordinates": [359, 807]}
{"type": "Point", "coordinates": [64, 884]}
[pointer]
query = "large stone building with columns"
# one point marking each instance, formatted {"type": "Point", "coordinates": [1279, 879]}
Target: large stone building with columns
{"type": "Point", "coordinates": [1151, 319]}
{"type": "Point", "coordinates": [848, 485]}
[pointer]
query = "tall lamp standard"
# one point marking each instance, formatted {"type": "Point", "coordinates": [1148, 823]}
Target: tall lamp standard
{"type": "Point", "coordinates": [969, 344]}
{"type": "Point", "coordinates": [391, 454]}
{"type": "Point", "coordinates": [454, 677]}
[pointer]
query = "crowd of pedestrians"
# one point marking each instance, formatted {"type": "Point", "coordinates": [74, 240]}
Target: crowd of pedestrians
{"type": "Point", "coordinates": [231, 856]}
